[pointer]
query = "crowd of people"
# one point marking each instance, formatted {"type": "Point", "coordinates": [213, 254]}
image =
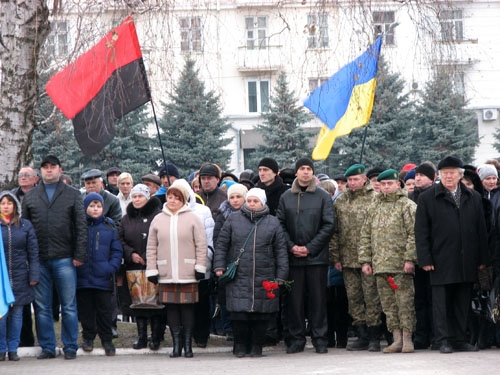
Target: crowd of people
{"type": "Point", "coordinates": [410, 255]}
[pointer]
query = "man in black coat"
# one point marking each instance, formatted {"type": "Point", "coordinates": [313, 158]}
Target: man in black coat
{"type": "Point", "coordinates": [271, 183]}
{"type": "Point", "coordinates": [451, 239]}
{"type": "Point", "coordinates": [306, 215]}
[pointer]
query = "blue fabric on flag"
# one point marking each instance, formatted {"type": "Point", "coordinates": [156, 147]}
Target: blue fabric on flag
{"type": "Point", "coordinates": [6, 294]}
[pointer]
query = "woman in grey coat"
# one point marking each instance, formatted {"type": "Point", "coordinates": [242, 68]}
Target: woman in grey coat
{"type": "Point", "coordinates": [252, 296]}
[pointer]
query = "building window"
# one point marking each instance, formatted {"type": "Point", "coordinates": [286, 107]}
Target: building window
{"type": "Point", "coordinates": [382, 24]}
{"type": "Point", "coordinates": [314, 83]}
{"type": "Point", "coordinates": [57, 41]}
{"type": "Point", "coordinates": [256, 29]}
{"type": "Point", "coordinates": [317, 29]}
{"type": "Point", "coordinates": [258, 96]}
{"type": "Point", "coordinates": [452, 27]}
{"type": "Point", "coordinates": [190, 34]}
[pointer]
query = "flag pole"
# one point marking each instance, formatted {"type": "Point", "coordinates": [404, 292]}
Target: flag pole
{"type": "Point", "coordinates": [363, 146]}
{"type": "Point", "coordinates": [158, 131]}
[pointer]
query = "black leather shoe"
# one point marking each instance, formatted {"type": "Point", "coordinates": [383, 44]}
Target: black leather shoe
{"type": "Point", "coordinates": [69, 354]}
{"type": "Point", "coordinates": [445, 348]}
{"type": "Point", "coordinates": [465, 347]}
{"type": "Point", "coordinates": [321, 349]}
{"type": "Point", "coordinates": [45, 355]}
{"type": "Point", "coordinates": [13, 356]}
{"type": "Point", "coordinates": [88, 345]}
{"type": "Point", "coordinates": [295, 348]}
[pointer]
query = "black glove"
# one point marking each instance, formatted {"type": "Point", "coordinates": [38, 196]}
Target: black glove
{"type": "Point", "coordinates": [199, 275]}
{"type": "Point", "coordinates": [153, 279]}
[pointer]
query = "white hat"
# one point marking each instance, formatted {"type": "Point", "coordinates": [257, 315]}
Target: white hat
{"type": "Point", "coordinates": [140, 189]}
{"type": "Point", "coordinates": [237, 189]}
{"type": "Point", "coordinates": [258, 193]}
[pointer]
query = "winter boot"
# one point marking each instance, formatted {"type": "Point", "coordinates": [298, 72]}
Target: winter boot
{"type": "Point", "coordinates": [142, 330]}
{"type": "Point", "coordinates": [407, 342]}
{"type": "Point", "coordinates": [240, 334]}
{"type": "Point", "coordinates": [156, 331]}
{"type": "Point", "coordinates": [374, 344]}
{"type": "Point", "coordinates": [397, 345]}
{"type": "Point", "coordinates": [176, 338]}
{"type": "Point", "coordinates": [362, 341]}
{"type": "Point", "coordinates": [188, 342]}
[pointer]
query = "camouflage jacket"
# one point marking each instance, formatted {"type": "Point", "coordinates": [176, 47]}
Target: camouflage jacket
{"type": "Point", "coordinates": [351, 208]}
{"type": "Point", "coordinates": [388, 235]}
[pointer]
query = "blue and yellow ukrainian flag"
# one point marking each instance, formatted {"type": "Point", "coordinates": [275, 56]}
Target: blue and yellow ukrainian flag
{"type": "Point", "coordinates": [345, 101]}
{"type": "Point", "coordinates": [6, 294]}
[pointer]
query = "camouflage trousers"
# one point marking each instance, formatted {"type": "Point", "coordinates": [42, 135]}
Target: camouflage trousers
{"type": "Point", "coordinates": [397, 304]}
{"type": "Point", "coordinates": [362, 295]}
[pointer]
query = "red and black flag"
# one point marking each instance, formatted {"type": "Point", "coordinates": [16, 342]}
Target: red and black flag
{"type": "Point", "coordinates": [101, 86]}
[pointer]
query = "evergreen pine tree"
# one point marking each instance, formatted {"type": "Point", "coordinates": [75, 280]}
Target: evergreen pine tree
{"type": "Point", "coordinates": [444, 126]}
{"type": "Point", "coordinates": [193, 127]}
{"type": "Point", "coordinates": [285, 139]}
{"type": "Point", "coordinates": [388, 133]}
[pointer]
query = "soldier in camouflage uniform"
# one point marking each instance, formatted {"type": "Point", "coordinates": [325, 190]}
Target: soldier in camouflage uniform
{"type": "Point", "coordinates": [351, 208]}
{"type": "Point", "coordinates": [387, 250]}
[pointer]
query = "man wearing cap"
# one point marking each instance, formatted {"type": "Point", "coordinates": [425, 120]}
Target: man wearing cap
{"type": "Point", "coordinates": [271, 183]}
{"type": "Point", "coordinates": [168, 174]}
{"type": "Point", "coordinates": [213, 197]}
{"type": "Point", "coordinates": [341, 181]}
{"type": "Point", "coordinates": [305, 212]}
{"type": "Point", "coordinates": [94, 184]}
{"type": "Point", "coordinates": [387, 250]}
{"type": "Point", "coordinates": [112, 175]}
{"type": "Point", "coordinates": [56, 211]}
{"type": "Point", "coordinates": [425, 174]}
{"type": "Point", "coordinates": [351, 209]}
{"type": "Point", "coordinates": [372, 175]}
{"type": "Point", "coordinates": [152, 181]}
{"type": "Point", "coordinates": [451, 239]}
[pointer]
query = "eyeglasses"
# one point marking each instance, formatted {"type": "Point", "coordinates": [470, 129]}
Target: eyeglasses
{"type": "Point", "coordinates": [27, 175]}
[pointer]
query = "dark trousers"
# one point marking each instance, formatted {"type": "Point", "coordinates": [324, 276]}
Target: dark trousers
{"type": "Point", "coordinates": [27, 336]}
{"type": "Point", "coordinates": [249, 332]}
{"type": "Point", "coordinates": [338, 315]}
{"type": "Point", "coordinates": [202, 313]}
{"type": "Point", "coordinates": [423, 306]}
{"type": "Point", "coordinates": [308, 289]}
{"type": "Point", "coordinates": [450, 307]}
{"type": "Point", "coordinates": [95, 313]}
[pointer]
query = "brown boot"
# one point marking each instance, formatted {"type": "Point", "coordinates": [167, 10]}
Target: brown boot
{"type": "Point", "coordinates": [407, 342]}
{"type": "Point", "coordinates": [397, 345]}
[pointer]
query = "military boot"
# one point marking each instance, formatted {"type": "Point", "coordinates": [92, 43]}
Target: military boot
{"type": "Point", "coordinates": [397, 345]}
{"type": "Point", "coordinates": [407, 342]}
{"type": "Point", "coordinates": [362, 341]}
{"type": "Point", "coordinates": [374, 344]}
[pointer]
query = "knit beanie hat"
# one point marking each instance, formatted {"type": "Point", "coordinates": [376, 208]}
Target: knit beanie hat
{"type": "Point", "coordinates": [92, 197]}
{"type": "Point", "coordinates": [426, 170]}
{"type": "Point", "coordinates": [258, 193]}
{"type": "Point", "coordinates": [302, 162]}
{"type": "Point", "coordinates": [140, 189]}
{"type": "Point", "coordinates": [410, 175]}
{"type": "Point", "coordinates": [486, 170]}
{"type": "Point", "coordinates": [237, 189]}
{"type": "Point", "coordinates": [169, 169]}
{"type": "Point", "coordinates": [270, 163]}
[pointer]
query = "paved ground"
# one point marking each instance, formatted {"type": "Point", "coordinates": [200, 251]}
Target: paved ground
{"type": "Point", "coordinates": [274, 362]}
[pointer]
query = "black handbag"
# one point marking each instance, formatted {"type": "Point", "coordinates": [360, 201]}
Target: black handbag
{"type": "Point", "coordinates": [232, 267]}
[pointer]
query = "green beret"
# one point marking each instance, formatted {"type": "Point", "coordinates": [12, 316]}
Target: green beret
{"type": "Point", "coordinates": [388, 174]}
{"type": "Point", "coordinates": [354, 170]}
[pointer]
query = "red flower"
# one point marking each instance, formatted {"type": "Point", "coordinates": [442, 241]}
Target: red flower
{"type": "Point", "coordinates": [271, 295]}
{"type": "Point", "coordinates": [269, 286]}
{"type": "Point", "coordinates": [392, 283]}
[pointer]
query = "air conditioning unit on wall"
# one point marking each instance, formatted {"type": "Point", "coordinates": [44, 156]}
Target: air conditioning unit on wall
{"type": "Point", "coordinates": [490, 114]}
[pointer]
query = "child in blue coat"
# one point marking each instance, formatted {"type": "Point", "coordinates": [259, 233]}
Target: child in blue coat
{"type": "Point", "coordinates": [95, 277]}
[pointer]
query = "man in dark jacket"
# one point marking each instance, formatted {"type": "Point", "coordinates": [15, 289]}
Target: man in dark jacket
{"type": "Point", "coordinates": [306, 215]}
{"type": "Point", "coordinates": [94, 184]}
{"type": "Point", "coordinates": [56, 211]}
{"type": "Point", "coordinates": [271, 183]}
{"type": "Point", "coordinates": [451, 239]}
{"type": "Point", "coordinates": [213, 197]}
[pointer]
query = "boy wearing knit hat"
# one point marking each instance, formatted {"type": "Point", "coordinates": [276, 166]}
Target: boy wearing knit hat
{"type": "Point", "coordinates": [271, 183]}
{"type": "Point", "coordinates": [305, 212]}
{"type": "Point", "coordinates": [93, 294]}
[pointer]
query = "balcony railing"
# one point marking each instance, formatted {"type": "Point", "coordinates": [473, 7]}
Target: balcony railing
{"type": "Point", "coordinates": [259, 59]}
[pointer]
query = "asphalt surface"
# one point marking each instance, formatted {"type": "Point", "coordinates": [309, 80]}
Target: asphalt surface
{"type": "Point", "coordinates": [274, 362]}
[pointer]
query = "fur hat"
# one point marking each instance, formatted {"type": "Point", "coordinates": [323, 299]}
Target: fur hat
{"type": "Point", "coordinates": [238, 189]}
{"type": "Point", "coordinates": [270, 163]}
{"type": "Point", "coordinates": [140, 189]}
{"type": "Point", "coordinates": [486, 170]}
{"type": "Point", "coordinates": [450, 162]}
{"type": "Point", "coordinates": [258, 193]}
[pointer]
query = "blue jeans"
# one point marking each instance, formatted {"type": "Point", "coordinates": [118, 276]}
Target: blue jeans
{"type": "Point", "coordinates": [62, 274]}
{"type": "Point", "coordinates": [10, 329]}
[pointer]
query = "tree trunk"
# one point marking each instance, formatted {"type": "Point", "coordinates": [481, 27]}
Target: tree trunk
{"type": "Point", "coordinates": [24, 27]}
